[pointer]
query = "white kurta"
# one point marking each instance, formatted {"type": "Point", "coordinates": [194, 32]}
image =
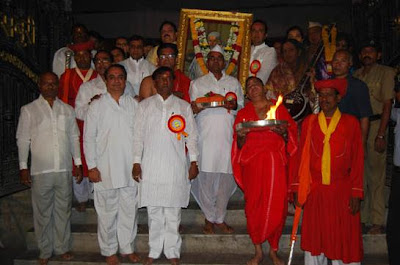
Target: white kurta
{"type": "Point", "coordinates": [51, 134]}
{"type": "Point", "coordinates": [268, 59]}
{"type": "Point", "coordinates": [215, 124]}
{"type": "Point", "coordinates": [108, 140]}
{"type": "Point", "coordinates": [137, 70]}
{"type": "Point", "coordinates": [90, 89]}
{"type": "Point", "coordinates": [161, 155]}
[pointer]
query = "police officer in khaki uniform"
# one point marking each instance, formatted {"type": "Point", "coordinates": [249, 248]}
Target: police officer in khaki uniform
{"type": "Point", "coordinates": [380, 82]}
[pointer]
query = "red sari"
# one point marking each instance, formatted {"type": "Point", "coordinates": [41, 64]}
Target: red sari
{"type": "Point", "coordinates": [260, 168]}
{"type": "Point", "coordinates": [71, 81]}
{"type": "Point", "coordinates": [328, 226]}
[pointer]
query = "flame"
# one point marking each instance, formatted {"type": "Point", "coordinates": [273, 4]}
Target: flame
{"type": "Point", "coordinates": [271, 114]}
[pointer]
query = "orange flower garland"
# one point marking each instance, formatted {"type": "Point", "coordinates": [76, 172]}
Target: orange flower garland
{"type": "Point", "coordinates": [196, 47]}
{"type": "Point", "coordinates": [237, 49]}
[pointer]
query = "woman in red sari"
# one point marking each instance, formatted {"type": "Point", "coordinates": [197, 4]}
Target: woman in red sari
{"type": "Point", "coordinates": [260, 161]}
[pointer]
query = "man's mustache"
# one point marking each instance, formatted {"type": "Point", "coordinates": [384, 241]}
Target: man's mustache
{"type": "Point", "coordinates": [167, 35]}
{"type": "Point", "coordinates": [367, 57]}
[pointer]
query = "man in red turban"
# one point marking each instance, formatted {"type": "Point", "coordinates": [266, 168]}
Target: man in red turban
{"type": "Point", "coordinates": [330, 181]}
{"type": "Point", "coordinates": [70, 82]}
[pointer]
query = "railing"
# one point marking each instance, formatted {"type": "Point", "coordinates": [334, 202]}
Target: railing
{"type": "Point", "coordinates": [30, 33]}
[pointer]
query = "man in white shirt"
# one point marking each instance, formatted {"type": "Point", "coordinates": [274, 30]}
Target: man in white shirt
{"type": "Point", "coordinates": [263, 58]}
{"type": "Point", "coordinates": [108, 145]}
{"type": "Point", "coordinates": [94, 88]}
{"type": "Point", "coordinates": [215, 183]}
{"type": "Point", "coordinates": [164, 126]}
{"type": "Point", "coordinates": [168, 34]}
{"type": "Point", "coordinates": [47, 128]}
{"type": "Point", "coordinates": [136, 66]}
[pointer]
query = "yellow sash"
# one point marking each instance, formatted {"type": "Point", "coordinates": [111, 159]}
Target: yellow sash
{"type": "Point", "coordinates": [326, 153]}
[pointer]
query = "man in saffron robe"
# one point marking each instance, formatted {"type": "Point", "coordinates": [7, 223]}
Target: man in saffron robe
{"type": "Point", "coordinates": [331, 226]}
{"type": "Point", "coordinates": [70, 82]}
{"type": "Point", "coordinates": [260, 161]}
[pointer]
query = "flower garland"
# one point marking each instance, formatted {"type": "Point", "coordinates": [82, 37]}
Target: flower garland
{"type": "Point", "coordinates": [237, 48]}
{"type": "Point", "coordinates": [202, 48]}
{"type": "Point", "coordinates": [196, 37]}
{"type": "Point", "coordinates": [329, 46]}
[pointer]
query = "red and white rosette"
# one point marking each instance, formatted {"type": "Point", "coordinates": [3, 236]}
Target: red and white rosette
{"type": "Point", "coordinates": [255, 66]}
{"type": "Point", "coordinates": [177, 125]}
{"type": "Point", "coordinates": [230, 96]}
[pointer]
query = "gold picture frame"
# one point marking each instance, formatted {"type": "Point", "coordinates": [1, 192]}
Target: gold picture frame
{"type": "Point", "coordinates": [226, 22]}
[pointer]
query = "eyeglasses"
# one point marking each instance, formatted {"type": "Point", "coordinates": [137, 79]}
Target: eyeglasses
{"type": "Point", "coordinates": [101, 60]}
{"type": "Point", "coordinates": [167, 56]}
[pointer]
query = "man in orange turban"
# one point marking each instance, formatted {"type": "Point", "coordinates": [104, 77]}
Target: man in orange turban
{"type": "Point", "coordinates": [329, 185]}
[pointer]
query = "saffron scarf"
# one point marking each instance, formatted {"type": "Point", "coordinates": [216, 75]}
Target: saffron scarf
{"type": "Point", "coordinates": [326, 153]}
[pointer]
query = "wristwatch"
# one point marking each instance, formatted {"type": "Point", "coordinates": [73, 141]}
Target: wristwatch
{"type": "Point", "coordinates": [380, 136]}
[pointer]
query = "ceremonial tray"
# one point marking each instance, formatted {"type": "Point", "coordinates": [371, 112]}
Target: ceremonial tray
{"type": "Point", "coordinates": [212, 104]}
{"type": "Point", "coordinates": [259, 125]}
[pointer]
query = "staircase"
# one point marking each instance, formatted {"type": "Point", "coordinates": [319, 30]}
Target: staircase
{"type": "Point", "coordinates": [197, 248]}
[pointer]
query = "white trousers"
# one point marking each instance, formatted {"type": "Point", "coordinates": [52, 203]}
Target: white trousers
{"type": "Point", "coordinates": [212, 192]}
{"type": "Point", "coordinates": [83, 191]}
{"type": "Point", "coordinates": [51, 203]}
{"type": "Point", "coordinates": [322, 260]}
{"type": "Point", "coordinates": [164, 231]}
{"type": "Point", "coordinates": [117, 220]}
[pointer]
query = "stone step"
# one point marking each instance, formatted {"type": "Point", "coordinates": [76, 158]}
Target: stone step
{"type": "Point", "coordinates": [189, 217]}
{"type": "Point", "coordinates": [194, 240]}
{"type": "Point", "coordinates": [29, 258]}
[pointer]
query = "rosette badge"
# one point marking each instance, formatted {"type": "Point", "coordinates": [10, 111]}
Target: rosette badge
{"type": "Point", "coordinates": [177, 124]}
{"type": "Point", "coordinates": [255, 66]}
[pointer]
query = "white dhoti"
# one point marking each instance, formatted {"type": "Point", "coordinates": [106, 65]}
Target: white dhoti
{"type": "Point", "coordinates": [52, 202]}
{"type": "Point", "coordinates": [117, 219]}
{"type": "Point", "coordinates": [322, 260]}
{"type": "Point", "coordinates": [83, 191]}
{"type": "Point", "coordinates": [164, 231]}
{"type": "Point", "coordinates": [212, 192]}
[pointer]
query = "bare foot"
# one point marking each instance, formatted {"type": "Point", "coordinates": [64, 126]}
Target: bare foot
{"type": "Point", "coordinates": [148, 261]}
{"type": "Point", "coordinates": [208, 228]}
{"type": "Point", "coordinates": [256, 260]}
{"type": "Point", "coordinates": [276, 260]}
{"type": "Point", "coordinates": [225, 228]}
{"type": "Point", "coordinates": [134, 258]}
{"type": "Point", "coordinates": [81, 207]}
{"type": "Point", "coordinates": [43, 261]}
{"type": "Point", "coordinates": [67, 256]}
{"type": "Point", "coordinates": [112, 260]}
{"type": "Point", "coordinates": [174, 261]}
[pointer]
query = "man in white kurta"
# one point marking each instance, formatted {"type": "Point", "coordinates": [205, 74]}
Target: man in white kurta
{"type": "Point", "coordinates": [161, 166]}
{"type": "Point", "coordinates": [136, 66]}
{"type": "Point", "coordinates": [108, 145]}
{"type": "Point", "coordinates": [94, 88]}
{"type": "Point", "coordinates": [47, 128]}
{"type": "Point", "coordinates": [215, 183]}
{"type": "Point", "coordinates": [261, 52]}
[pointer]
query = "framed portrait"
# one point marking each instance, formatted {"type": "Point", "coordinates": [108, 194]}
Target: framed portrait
{"type": "Point", "coordinates": [200, 30]}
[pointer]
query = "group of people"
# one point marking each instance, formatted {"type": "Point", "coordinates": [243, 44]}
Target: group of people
{"type": "Point", "coordinates": [128, 133]}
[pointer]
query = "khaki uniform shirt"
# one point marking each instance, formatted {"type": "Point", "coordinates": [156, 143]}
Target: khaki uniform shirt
{"type": "Point", "coordinates": [380, 82]}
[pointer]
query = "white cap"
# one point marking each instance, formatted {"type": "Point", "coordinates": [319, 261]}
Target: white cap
{"type": "Point", "coordinates": [215, 34]}
{"type": "Point", "coordinates": [312, 24]}
{"type": "Point", "coordinates": [217, 48]}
